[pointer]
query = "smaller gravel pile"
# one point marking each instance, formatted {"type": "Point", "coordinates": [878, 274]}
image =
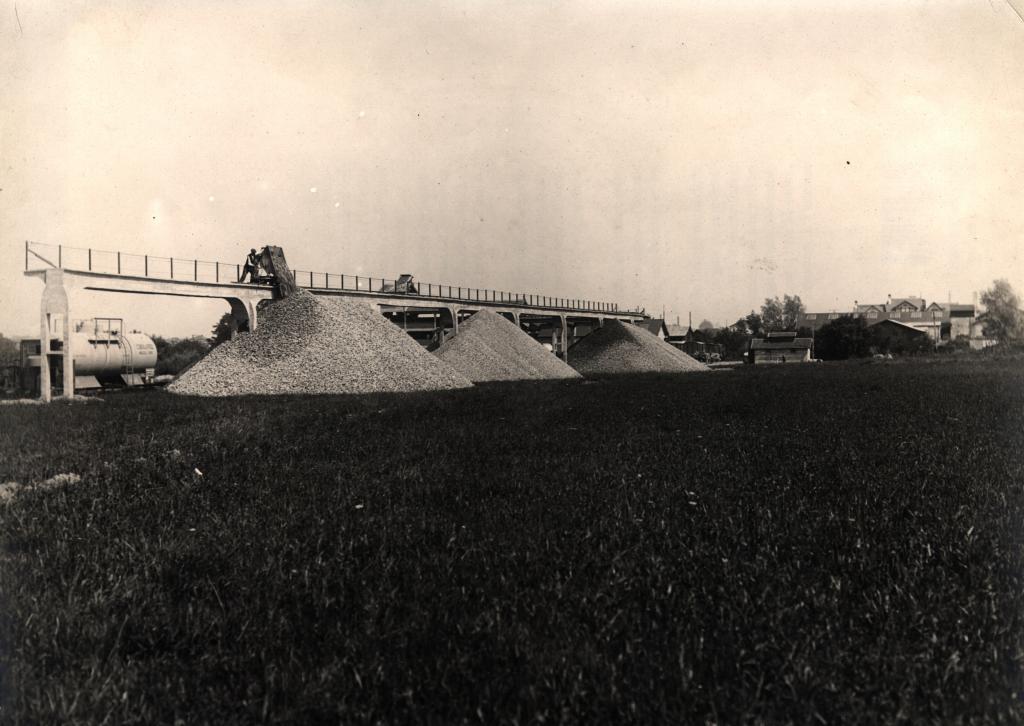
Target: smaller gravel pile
{"type": "Point", "coordinates": [489, 347]}
{"type": "Point", "coordinates": [310, 344]}
{"type": "Point", "coordinates": [619, 347]}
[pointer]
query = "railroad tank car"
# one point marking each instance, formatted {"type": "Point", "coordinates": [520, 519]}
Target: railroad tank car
{"type": "Point", "coordinates": [109, 358]}
{"type": "Point", "coordinates": [103, 356]}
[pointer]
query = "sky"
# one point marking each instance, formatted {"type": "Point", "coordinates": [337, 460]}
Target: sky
{"type": "Point", "coordinates": [680, 156]}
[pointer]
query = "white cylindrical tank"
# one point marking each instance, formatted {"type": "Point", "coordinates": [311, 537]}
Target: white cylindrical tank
{"type": "Point", "coordinates": [102, 354]}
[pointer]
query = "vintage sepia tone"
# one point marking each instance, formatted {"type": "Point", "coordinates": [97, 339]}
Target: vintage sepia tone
{"type": "Point", "coordinates": [450, 362]}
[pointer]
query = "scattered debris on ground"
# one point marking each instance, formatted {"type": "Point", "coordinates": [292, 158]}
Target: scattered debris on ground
{"type": "Point", "coordinates": [9, 490]}
{"type": "Point", "coordinates": [311, 344]}
{"type": "Point", "coordinates": [490, 347]}
{"type": "Point", "coordinates": [57, 399]}
{"type": "Point", "coordinates": [617, 348]}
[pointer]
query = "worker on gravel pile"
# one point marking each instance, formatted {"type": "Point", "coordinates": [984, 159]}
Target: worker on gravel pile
{"type": "Point", "coordinates": [252, 266]}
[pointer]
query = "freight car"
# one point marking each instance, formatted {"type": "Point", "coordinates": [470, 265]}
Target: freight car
{"type": "Point", "coordinates": [104, 356]}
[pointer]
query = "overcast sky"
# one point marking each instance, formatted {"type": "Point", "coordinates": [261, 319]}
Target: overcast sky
{"type": "Point", "coordinates": [692, 156]}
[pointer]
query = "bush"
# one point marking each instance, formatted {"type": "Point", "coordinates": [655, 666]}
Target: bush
{"type": "Point", "coordinates": [176, 354]}
{"type": "Point", "coordinates": [900, 346]}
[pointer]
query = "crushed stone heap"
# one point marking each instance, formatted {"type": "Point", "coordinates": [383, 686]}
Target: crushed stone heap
{"type": "Point", "coordinates": [311, 344]}
{"type": "Point", "coordinates": [489, 347]}
{"type": "Point", "coordinates": [618, 347]}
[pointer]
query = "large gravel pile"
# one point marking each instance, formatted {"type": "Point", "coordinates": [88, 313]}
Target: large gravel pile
{"type": "Point", "coordinates": [489, 347]}
{"type": "Point", "coordinates": [310, 344]}
{"type": "Point", "coordinates": [619, 347]}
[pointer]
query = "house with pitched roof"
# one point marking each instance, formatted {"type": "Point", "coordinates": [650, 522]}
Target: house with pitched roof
{"type": "Point", "coordinates": [655, 326]}
{"type": "Point", "coordinates": [676, 332]}
{"type": "Point", "coordinates": [957, 319]}
{"type": "Point", "coordinates": [780, 348]}
{"type": "Point", "coordinates": [906, 305]}
{"type": "Point", "coordinates": [896, 336]}
{"type": "Point", "coordinates": [693, 344]}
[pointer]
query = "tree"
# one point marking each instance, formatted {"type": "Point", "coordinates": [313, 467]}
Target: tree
{"type": "Point", "coordinates": [704, 335]}
{"type": "Point", "coordinates": [706, 325]}
{"type": "Point", "coordinates": [173, 355]}
{"type": "Point", "coordinates": [845, 337]}
{"type": "Point", "coordinates": [734, 340]}
{"type": "Point", "coordinates": [781, 314]}
{"type": "Point", "coordinates": [1003, 318]}
{"type": "Point", "coordinates": [771, 315]}
{"type": "Point", "coordinates": [222, 330]}
{"type": "Point", "coordinates": [753, 324]}
{"type": "Point", "coordinates": [792, 309]}
{"type": "Point", "coordinates": [9, 355]}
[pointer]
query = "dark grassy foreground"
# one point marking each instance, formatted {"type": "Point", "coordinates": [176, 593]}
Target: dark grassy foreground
{"type": "Point", "coordinates": [810, 544]}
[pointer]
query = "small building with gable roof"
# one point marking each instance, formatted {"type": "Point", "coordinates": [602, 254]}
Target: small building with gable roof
{"type": "Point", "coordinates": [780, 348]}
{"type": "Point", "coordinates": [655, 326]}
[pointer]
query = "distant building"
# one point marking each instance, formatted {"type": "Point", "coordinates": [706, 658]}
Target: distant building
{"type": "Point", "coordinates": [896, 334]}
{"type": "Point", "coordinates": [906, 305]}
{"type": "Point", "coordinates": [655, 326]}
{"type": "Point", "coordinates": [676, 332]}
{"type": "Point", "coordinates": [869, 308]}
{"type": "Point", "coordinates": [941, 321]}
{"type": "Point", "coordinates": [780, 348]}
{"type": "Point", "coordinates": [692, 343]}
{"type": "Point", "coordinates": [961, 319]}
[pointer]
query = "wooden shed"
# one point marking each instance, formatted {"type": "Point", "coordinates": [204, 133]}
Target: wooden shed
{"type": "Point", "coordinates": [783, 347]}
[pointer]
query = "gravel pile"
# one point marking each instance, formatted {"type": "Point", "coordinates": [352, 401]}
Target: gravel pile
{"type": "Point", "coordinates": [311, 344]}
{"type": "Point", "coordinates": [489, 347]}
{"type": "Point", "coordinates": [619, 347]}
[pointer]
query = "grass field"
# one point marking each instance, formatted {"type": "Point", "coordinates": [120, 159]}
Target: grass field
{"type": "Point", "coordinates": [801, 544]}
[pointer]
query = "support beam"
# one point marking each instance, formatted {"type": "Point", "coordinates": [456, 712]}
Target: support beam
{"type": "Point", "coordinates": [69, 355]}
{"type": "Point", "coordinates": [243, 311]}
{"type": "Point", "coordinates": [44, 357]}
{"type": "Point", "coordinates": [55, 301]}
{"type": "Point", "coordinates": [250, 306]}
{"type": "Point", "coordinates": [565, 338]}
{"type": "Point", "coordinates": [241, 322]}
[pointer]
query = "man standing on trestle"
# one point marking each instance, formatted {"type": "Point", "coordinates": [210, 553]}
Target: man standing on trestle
{"type": "Point", "coordinates": [252, 266]}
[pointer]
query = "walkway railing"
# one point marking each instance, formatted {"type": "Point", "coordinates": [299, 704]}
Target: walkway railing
{"type": "Point", "coordinates": [46, 256]}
